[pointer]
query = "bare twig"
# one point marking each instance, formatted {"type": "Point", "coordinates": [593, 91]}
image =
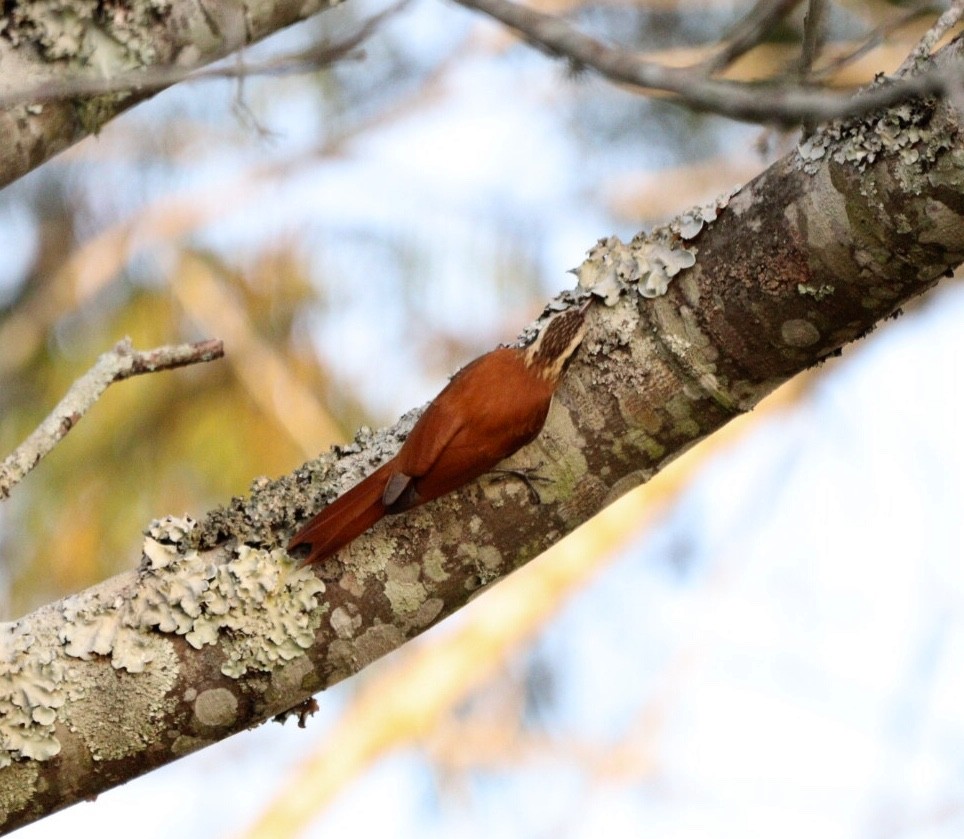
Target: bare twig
{"type": "Point", "coordinates": [120, 363]}
{"type": "Point", "coordinates": [813, 35]}
{"type": "Point", "coordinates": [749, 32]}
{"type": "Point", "coordinates": [155, 78]}
{"type": "Point", "coordinates": [941, 27]}
{"type": "Point", "coordinates": [316, 56]}
{"type": "Point", "coordinates": [786, 103]}
{"type": "Point", "coordinates": [873, 39]}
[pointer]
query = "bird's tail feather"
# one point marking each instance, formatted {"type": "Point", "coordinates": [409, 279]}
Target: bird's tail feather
{"type": "Point", "coordinates": [346, 518]}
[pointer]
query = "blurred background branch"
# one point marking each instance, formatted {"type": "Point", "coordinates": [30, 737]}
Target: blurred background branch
{"type": "Point", "coordinates": [118, 364]}
{"type": "Point", "coordinates": [74, 85]}
{"type": "Point", "coordinates": [778, 101]}
{"type": "Point", "coordinates": [309, 60]}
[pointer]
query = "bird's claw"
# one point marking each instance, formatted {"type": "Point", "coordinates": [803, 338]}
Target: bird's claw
{"type": "Point", "coordinates": [527, 475]}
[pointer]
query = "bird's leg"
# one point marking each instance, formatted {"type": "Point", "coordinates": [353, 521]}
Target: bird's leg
{"type": "Point", "coordinates": [526, 474]}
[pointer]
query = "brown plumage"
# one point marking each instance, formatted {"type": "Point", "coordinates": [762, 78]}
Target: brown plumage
{"type": "Point", "coordinates": [490, 409]}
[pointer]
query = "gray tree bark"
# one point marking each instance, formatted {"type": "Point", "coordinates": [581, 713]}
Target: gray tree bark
{"type": "Point", "coordinates": [44, 43]}
{"type": "Point", "coordinates": [217, 631]}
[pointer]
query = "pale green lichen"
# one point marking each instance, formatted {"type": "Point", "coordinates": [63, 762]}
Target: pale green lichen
{"type": "Point", "coordinates": [345, 621]}
{"type": "Point", "coordinates": [405, 596]}
{"type": "Point", "coordinates": [82, 31]}
{"type": "Point", "coordinates": [635, 442]}
{"type": "Point", "coordinates": [818, 293]}
{"type": "Point", "coordinates": [31, 692]}
{"type": "Point", "coordinates": [902, 131]}
{"type": "Point", "coordinates": [428, 612]}
{"type": "Point", "coordinates": [129, 712]}
{"type": "Point", "coordinates": [650, 261]}
{"type": "Point", "coordinates": [799, 333]}
{"type": "Point", "coordinates": [486, 560]}
{"type": "Point", "coordinates": [648, 264]}
{"type": "Point", "coordinates": [259, 608]}
{"type": "Point", "coordinates": [569, 460]}
{"type": "Point", "coordinates": [20, 786]}
{"type": "Point", "coordinates": [185, 744]}
{"type": "Point", "coordinates": [375, 642]}
{"type": "Point", "coordinates": [433, 566]}
{"type": "Point", "coordinates": [216, 708]}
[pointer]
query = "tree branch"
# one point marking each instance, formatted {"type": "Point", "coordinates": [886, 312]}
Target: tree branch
{"type": "Point", "coordinates": [814, 23]}
{"type": "Point", "coordinates": [944, 24]}
{"type": "Point", "coordinates": [752, 29]}
{"type": "Point", "coordinates": [150, 79]}
{"type": "Point", "coordinates": [871, 40]}
{"type": "Point", "coordinates": [40, 43]}
{"type": "Point", "coordinates": [120, 363]}
{"type": "Point", "coordinates": [813, 36]}
{"type": "Point", "coordinates": [784, 103]}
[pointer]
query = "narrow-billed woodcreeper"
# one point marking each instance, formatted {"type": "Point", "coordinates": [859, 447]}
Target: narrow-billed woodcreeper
{"type": "Point", "coordinates": [490, 409]}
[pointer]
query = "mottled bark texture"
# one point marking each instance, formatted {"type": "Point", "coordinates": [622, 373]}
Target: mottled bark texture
{"type": "Point", "coordinates": [44, 42]}
{"type": "Point", "coordinates": [216, 631]}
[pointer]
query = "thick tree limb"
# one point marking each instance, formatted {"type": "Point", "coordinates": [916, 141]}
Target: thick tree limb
{"type": "Point", "coordinates": [120, 363]}
{"type": "Point", "coordinates": [216, 631]}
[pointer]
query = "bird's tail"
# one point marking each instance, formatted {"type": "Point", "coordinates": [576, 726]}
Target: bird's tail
{"type": "Point", "coordinates": [346, 518]}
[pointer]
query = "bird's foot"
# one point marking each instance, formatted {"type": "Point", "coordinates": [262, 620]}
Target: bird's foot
{"type": "Point", "coordinates": [527, 475]}
{"type": "Point", "coordinates": [303, 710]}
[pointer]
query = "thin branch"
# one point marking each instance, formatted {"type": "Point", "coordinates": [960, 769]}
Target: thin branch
{"type": "Point", "coordinates": [778, 103]}
{"type": "Point", "coordinates": [120, 363]}
{"type": "Point", "coordinates": [872, 40]}
{"type": "Point", "coordinates": [813, 36]}
{"type": "Point", "coordinates": [313, 58]}
{"type": "Point", "coordinates": [941, 27]}
{"type": "Point", "coordinates": [748, 33]}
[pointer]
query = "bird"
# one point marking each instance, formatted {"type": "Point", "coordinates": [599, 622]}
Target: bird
{"type": "Point", "coordinates": [489, 410]}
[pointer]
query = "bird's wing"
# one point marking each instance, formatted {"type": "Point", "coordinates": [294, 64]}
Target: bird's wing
{"type": "Point", "coordinates": [427, 441]}
{"type": "Point", "coordinates": [443, 419]}
{"type": "Point", "coordinates": [398, 484]}
{"type": "Point", "coordinates": [429, 438]}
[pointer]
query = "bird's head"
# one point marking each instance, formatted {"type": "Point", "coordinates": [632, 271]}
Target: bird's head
{"type": "Point", "coordinates": [557, 341]}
